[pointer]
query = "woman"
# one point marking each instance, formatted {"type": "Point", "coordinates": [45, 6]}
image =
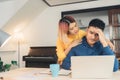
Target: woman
{"type": "Point", "coordinates": [69, 35]}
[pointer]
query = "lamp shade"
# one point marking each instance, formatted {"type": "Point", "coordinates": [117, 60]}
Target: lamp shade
{"type": "Point", "coordinates": [4, 37]}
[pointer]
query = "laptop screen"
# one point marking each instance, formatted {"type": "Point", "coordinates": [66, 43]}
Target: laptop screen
{"type": "Point", "coordinates": [92, 66]}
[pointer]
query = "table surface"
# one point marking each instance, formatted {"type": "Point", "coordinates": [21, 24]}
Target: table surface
{"type": "Point", "coordinates": [34, 74]}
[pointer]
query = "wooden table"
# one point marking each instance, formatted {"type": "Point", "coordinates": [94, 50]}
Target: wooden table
{"type": "Point", "coordinates": [34, 74]}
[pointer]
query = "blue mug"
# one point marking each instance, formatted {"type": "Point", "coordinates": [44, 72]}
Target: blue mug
{"type": "Point", "coordinates": [54, 68]}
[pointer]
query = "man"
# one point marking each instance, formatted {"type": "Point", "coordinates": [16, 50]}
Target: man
{"type": "Point", "coordinates": [94, 43]}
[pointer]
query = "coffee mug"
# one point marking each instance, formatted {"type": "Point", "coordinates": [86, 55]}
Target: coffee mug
{"type": "Point", "coordinates": [54, 68]}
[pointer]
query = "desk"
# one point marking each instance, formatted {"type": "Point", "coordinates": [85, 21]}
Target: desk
{"type": "Point", "coordinates": [33, 74]}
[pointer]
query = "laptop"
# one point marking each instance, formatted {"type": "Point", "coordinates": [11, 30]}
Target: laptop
{"type": "Point", "coordinates": [92, 67]}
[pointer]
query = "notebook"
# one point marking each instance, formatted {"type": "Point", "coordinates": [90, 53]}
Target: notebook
{"type": "Point", "coordinates": [62, 72]}
{"type": "Point", "coordinates": [92, 67]}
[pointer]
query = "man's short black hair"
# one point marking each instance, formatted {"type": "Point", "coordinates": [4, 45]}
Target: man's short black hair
{"type": "Point", "coordinates": [97, 23]}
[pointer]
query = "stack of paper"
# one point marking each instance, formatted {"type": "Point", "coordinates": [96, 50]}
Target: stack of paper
{"type": "Point", "coordinates": [61, 72]}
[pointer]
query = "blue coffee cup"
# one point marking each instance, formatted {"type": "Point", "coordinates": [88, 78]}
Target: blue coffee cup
{"type": "Point", "coordinates": [54, 68]}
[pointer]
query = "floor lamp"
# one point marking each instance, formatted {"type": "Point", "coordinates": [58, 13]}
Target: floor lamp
{"type": "Point", "coordinates": [19, 37]}
{"type": "Point", "coordinates": [4, 37]}
{"type": "Point", "coordinates": [18, 53]}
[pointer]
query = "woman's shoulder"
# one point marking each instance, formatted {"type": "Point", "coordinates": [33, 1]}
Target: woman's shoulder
{"type": "Point", "coordinates": [82, 32]}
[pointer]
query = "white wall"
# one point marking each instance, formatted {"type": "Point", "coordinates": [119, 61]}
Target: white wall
{"type": "Point", "coordinates": [8, 8]}
{"type": "Point", "coordinates": [16, 24]}
{"type": "Point", "coordinates": [42, 31]}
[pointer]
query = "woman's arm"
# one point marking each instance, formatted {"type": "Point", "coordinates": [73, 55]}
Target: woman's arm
{"type": "Point", "coordinates": [73, 44]}
{"type": "Point", "coordinates": [62, 51]}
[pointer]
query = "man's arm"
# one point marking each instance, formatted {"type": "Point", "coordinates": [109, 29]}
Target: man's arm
{"type": "Point", "coordinates": [107, 51]}
{"type": "Point", "coordinates": [106, 48]}
{"type": "Point", "coordinates": [67, 61]}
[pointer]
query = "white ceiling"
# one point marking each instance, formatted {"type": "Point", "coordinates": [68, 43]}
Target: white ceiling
{"type": "Point", "coordinates": [4, 0]}
{"type": "Point", "coordinates": [63, 2]}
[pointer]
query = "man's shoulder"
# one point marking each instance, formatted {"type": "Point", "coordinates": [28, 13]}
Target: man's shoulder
{"type": "Point", "coordinates": [80, 45]}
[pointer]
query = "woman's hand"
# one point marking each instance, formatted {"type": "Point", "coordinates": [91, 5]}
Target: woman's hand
{"type": "Point", "coordinates": [75, 43]}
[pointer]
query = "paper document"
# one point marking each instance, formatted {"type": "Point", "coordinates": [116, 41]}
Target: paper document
{"type": "Point", "coordinates": [61, 72]}
{"type": "Point", "coordinates": [64, 72]}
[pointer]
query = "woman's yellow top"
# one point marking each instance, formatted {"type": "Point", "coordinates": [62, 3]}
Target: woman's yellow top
{"type": "Point", "coordinates": [61, 46]}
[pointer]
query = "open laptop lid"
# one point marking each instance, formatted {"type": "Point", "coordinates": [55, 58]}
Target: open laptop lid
{"type": "Point", "coordinates": [92, 67]}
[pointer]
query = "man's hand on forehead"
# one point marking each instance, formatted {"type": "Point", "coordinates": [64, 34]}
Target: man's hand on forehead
{"type": "Point", "coordinates": [99, 31]}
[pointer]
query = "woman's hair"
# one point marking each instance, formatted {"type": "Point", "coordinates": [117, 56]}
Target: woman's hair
{"type": "Point", "coordinates": [63, 29]}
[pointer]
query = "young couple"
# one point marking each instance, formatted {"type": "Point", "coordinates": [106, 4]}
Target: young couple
{"type": "Point", "coordinates": [72, 41]}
